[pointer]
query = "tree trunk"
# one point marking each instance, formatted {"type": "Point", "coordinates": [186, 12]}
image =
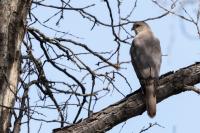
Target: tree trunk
{"type": "Point", "coordinates": [12, 28]}
{"type": "Point", "coordinates": [170, 84]}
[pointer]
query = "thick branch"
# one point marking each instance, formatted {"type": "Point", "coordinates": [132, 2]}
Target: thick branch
{"type": "Point", "coordinates": [170, 84]}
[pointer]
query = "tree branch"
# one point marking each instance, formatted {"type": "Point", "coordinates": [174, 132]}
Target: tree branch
{"type": "Point", "coordinates": [170, 84]}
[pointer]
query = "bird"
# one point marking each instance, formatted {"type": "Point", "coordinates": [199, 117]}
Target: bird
{"type": "Point", "coordinates": [146, 59]}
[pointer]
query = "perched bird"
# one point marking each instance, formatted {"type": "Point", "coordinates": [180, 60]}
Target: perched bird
{"type": "Point", "coordinates": [146, 59]}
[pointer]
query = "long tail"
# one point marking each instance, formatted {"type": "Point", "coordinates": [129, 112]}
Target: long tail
{"type": "Point", "coordinates": [150, 98]}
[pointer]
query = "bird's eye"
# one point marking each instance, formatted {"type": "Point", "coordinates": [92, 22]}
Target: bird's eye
{"type": "Point", "coordinates": [137, 25]}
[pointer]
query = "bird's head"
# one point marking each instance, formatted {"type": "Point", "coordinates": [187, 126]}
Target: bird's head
{"type": "Point", "coordinates": [140, 26]}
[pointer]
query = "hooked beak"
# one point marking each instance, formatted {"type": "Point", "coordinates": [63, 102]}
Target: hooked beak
{"type": "Point", "coordinates": [133, 28]}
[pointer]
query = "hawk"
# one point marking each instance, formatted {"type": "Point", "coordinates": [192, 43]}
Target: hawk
{"type": "Point", "coordinates": [146, 59]}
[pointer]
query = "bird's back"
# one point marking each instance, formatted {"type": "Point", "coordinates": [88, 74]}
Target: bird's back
{"type": "Point", "coordinates": [146, 55]}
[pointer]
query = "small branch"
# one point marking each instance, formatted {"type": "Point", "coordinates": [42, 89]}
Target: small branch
{"type": "Point", "coordinates": [150, 126]}
{"type": "Point", "coordinates": [192, 88]}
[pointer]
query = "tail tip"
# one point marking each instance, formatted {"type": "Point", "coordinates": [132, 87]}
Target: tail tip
{"type": "Point", "coordinates": [151, 114]}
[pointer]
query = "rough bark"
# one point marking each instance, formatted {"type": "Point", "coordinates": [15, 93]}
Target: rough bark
{"type": "Point", "coordinates": [170, 84]}
{"type": "Point", "coordinates": [12, 28]}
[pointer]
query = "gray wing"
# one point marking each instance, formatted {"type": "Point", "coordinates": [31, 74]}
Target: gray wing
{"type": "Point", "coordinates": [146, 57]}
